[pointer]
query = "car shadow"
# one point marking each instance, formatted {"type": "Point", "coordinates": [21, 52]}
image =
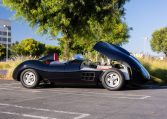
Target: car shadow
{"type": "Point", "coordinates": [146, 87]}
{"type": "Point", "coordinates": [70, 86]}
{"type": "Point", "coordinates": [127, 88]}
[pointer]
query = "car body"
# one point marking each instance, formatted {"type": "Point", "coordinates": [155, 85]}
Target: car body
{"type": "Point", "coordinates": [80, 71]}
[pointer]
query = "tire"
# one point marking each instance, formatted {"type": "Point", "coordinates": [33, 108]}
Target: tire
{"type": "Point", "coordinates": [29, 78]}
{"type": "Point", "coordinates": [113, 80]}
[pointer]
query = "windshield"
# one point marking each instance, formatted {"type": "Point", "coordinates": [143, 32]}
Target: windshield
{"type": "Point", "coordinates": [79, 56]}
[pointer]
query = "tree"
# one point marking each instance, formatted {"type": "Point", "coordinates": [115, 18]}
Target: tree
{"type": "Point", "coordinates": [28, 47]}
{"type": "Point", "coordinates": [16, 49]}
{"type": "Point", "coordinates": [32, 47]}
{"type": "Point", "coordinates": [2, 51]}
{"type": "Point", "coordinates": [52, 49]}
{"type": "Point", "coordinates": [82, 20]}
{"type": "Point", "coordinates": [159, 40]}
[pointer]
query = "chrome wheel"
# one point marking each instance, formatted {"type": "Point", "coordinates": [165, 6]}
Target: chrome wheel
{"type": "Point", "coordinates": [29, 78]}
{"type": "Point", "coordinates": [112, 80]}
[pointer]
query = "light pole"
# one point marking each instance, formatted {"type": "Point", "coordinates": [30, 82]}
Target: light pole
{"type": "Point", "coordinates": [145, 40]}
{"type": "Point", "coordinates": [7, 47]}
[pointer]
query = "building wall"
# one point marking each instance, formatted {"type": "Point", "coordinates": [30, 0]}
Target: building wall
{"type": "Point", "coordinates": [4, 33]}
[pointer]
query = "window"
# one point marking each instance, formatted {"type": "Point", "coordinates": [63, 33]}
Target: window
{"type": "Point", "coordinates": [9, 39]}
{"type": "Point", "coordinates": [9, 33]}
{"type": "Point", "coordinates": [4, 33]}
{"type": "Point", "coordinates": [0, 32]}
{"type": "Point", "coordinates": [4, 39]}
{"type": "Point", "coordinates": [9, 27]}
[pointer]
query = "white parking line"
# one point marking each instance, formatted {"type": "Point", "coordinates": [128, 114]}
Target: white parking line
{"type": "Point", "coordinates": [85, 93]}
{"type": "Point", "coordinates": [145, 97]}
{"type": "Point", "coordinates": [80, 115]}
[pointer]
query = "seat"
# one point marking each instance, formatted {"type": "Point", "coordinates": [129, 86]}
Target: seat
{"type": "Point", "coordinates": [52, 59]}
{"type": "Point", "coordinates": [55, 57]}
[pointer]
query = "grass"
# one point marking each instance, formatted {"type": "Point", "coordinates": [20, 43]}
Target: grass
{"type": "Point", "coordinates": [157, 69]}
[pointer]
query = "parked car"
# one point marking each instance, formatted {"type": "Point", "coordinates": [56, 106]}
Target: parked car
{"type": "Point", "coordinates": [79, 71]}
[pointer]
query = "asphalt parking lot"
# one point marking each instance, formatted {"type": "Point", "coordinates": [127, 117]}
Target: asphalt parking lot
{"type": "Point", "coordinates": [66, 102]}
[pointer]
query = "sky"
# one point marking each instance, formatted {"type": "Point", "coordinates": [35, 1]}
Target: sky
{"type": "Point", "coordinates": [144, 16]}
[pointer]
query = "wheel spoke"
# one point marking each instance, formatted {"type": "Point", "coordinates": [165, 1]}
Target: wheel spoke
{"type": "Point", "coordinates": [112, 79]}
{"type": "Point", "coordinates": [29, 78]}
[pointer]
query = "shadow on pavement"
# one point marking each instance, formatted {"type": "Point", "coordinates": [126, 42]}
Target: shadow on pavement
{"type": "Point", "coordinates": [69, 86]}
{"type": "Point", "coordinates": [127, 88]}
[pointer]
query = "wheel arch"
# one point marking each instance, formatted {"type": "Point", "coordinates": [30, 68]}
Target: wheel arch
{"type": "Point", "coordinates": [127, 71]}
{"type": "Point", "coordinates": [19, 73]}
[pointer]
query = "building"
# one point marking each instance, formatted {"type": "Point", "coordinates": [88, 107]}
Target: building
{"type": "Point", "coordinates": [5, 32]}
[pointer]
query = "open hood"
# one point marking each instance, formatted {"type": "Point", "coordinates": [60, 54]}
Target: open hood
{"type": "Point", "coordinates": [113, 52]}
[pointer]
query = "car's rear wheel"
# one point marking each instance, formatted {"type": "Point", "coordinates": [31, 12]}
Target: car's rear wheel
{"type": "Point", "coordinates": [113, 80]}
{"type": "Point", "coordinates": [29, 78]}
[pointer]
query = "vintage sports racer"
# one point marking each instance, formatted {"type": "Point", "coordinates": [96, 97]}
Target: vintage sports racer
{"type": "Point", "coordinates": [79, 71]}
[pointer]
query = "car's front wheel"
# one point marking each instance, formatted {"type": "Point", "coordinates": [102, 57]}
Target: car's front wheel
{"type": "Point", "coordinates": [29, 78]}
{"type": "Point", "coordinates": [113, 80]}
